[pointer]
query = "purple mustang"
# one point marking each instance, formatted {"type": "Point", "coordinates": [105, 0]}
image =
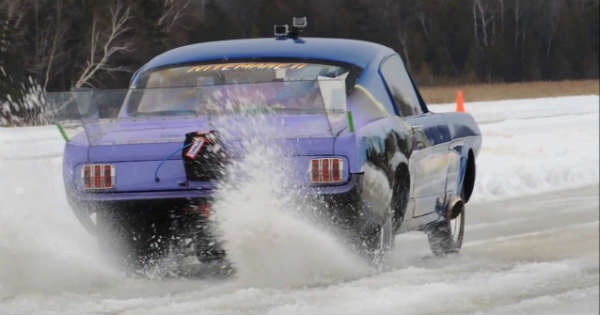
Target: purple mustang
{"type": "Point", "coordinates": [346, 112]}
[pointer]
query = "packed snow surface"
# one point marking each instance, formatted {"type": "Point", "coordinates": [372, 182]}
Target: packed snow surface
{"type": "Point", "coordinates": [531, 240]}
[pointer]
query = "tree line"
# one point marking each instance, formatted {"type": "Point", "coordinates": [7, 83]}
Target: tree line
{"type": "Point", "coordinates": [52, 45]}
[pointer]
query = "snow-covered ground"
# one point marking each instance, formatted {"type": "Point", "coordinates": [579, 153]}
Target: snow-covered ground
{"type": "Point", "coordinates": [532, 146]}
{"type": "Point", "coordinates": [531, 242]}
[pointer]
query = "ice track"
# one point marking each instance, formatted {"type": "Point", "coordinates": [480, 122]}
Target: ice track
{"type": "Point", "coordinates": [531, 240]}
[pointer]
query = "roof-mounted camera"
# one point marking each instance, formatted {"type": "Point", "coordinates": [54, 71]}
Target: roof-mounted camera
{"type": "Point", "coordinates": [284, 31]}
{"type": "Point", "coordinates": [281, 31]}
{"type": "Point", "coordinates": [300, 22]}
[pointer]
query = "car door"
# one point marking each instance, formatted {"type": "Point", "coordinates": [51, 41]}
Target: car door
{"type": "Point", "coordinates": [428, 163]}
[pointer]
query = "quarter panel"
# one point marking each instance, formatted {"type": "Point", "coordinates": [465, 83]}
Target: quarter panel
{"type": "Point", "coordinates": [464, 136]}
{"type": "Point", "coordinates": [429, 162]}
{"type": "Point", "coordinates": [383, 145]}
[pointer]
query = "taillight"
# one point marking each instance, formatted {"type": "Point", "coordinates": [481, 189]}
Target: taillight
{"type": "Point", "coordinates": [336, 175]}
{"type": "Point", "coordinates": [314, 171]}
{"type": "Point", "coordinates": [98, 176]}
{"type": "Point", "coordinates": [108, 175]}
{"type": "Point", "coordinates": [87, 177]}
{"type": "Point", "coordinates": [326, 171]}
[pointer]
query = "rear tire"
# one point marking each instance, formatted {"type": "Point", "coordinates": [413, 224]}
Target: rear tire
{"type": "Point", "coordinates": [446, 237]}
{"type": "Point", "coordinates": [131, 239]}
{"type": "Point", "coordinates": [383, 208]}
{"type": "Point", "coordinates": [378, 242]}
{"type": "Point", "coordinates": [208, 248]}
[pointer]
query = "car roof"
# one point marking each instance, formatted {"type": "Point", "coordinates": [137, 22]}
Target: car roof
{"type": "Point", "coordinates": [356, 52]}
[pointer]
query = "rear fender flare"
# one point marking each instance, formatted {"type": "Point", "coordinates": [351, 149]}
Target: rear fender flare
{"type": "Point", "coordinates": [384, 153]}
{"type": "Point", "coordinates": [466, 175]}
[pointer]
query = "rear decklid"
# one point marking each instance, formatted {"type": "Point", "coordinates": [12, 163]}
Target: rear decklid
{"type": "Point", "coordinates": [155, 140]}
{"type": "Point", "coordinates": [142, 151]}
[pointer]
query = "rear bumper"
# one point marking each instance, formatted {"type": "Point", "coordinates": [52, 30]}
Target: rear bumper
{"type": "Point", "coordinates": [343, 200]}
{"type": "Point", "coordinates": [104, 197]}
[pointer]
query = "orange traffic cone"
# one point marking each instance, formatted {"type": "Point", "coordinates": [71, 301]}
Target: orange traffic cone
{"type": "Point", "coordinates": [460, 106]}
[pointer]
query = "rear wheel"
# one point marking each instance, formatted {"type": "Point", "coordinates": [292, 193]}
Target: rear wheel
{"type": "Point", "coordinates": [132, 239]}
{"type": "Point", "coordinates": [377, 242]}
{"type": "Point", "coordinates": [208, 248]}
{"type": "Point", "coordinates": [385, 244]}
{"type": "Point", "coordinates": [384, 210]}
{"type": "Point", "coordinates": [446, 237]}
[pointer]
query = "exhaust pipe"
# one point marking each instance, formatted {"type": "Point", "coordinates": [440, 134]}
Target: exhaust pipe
{"type": "Point", "coordinates": [455, 207]}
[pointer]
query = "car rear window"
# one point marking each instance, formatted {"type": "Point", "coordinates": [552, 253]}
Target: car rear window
{"type": "Point", "coordinates": [198, 89]}
{"type": "Point", "coordinates": [236, 73]}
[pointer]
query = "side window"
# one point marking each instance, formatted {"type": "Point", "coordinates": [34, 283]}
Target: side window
{"type": "Point", "coordinates": [360, 100]}
{"type": "Point", "coordinates": [400, 86]}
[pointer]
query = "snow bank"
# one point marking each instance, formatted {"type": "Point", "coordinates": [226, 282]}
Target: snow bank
{"type": "Point", "coordinates": [535, 108]}
{"type": "Point", "coordinates": [535, 145]}
{"type": "Point", "coordinates": [30, 143]}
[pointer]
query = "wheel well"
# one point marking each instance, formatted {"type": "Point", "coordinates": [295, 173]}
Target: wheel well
{"type": "Point", "coordinates": [401, 191]}
{"type": "Point", "coordinates": [469, 180]}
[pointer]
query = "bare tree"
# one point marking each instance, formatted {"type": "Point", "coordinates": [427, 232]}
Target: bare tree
{"type": "Point", "coordinates": [408, 14]}
{"type": "Point", "coordinates": [399, 17]}
{"type": "Point", "coordinates": [14, 12]}
{"type": "Point", "coordinates": [475, 23]}
{"type": "Point", "coordinates": [57, 42]}
{"type": "Point", "coordinates": [47, 33]}
{"type": "Point", "coordinates": [105, 44]}
{"type": "Point", "coordinates": [29, 110]}
{"type": "Point", "coordinates": [518, 14]}
{"type": "Point", "coordinates": [548, 23]}
{"type": "Point", "coordinates": [484, 21]}
{"type": "Point", "coordinates": [173, 11]}
{"type": "Point", "coordinates": [422, 21]}
{"type": "Point", "coordinates": [19, 95]}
